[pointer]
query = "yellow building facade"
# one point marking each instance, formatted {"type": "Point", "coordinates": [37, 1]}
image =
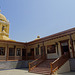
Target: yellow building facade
{"type": "Point", "coordinates": [34, 48]}
{"type": "Point", "coordinates": [9, 49]}
{"type": "Point", "coordinates": [20, 54]}
{"type": "Point", "coordinates": [4, 28]}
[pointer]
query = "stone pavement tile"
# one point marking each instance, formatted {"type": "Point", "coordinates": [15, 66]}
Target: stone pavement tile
{"type": "Point", "coordinates": [69, 73]}
{"type": "Point", "coordinates": [16, 72]}
{"type": "Point", "coordinates": [25, 72]}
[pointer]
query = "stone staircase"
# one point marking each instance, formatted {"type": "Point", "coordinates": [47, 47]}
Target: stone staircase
{"type": "Point", "coordinates": [43, 68]}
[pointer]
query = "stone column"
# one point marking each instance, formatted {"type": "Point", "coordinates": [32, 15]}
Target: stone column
{"type": "Point", "coordinates": [71, 42]}
{"type": "Point", "coordinates": [7, 52]}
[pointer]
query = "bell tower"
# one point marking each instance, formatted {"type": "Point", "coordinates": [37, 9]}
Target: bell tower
{"type": "Point", "coordinates": [4, 28]}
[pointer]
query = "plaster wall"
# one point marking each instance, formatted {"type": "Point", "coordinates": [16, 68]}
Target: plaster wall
{"type": "Point", "coordinates": [73, 37]}
{"type": "Point", "coordinates": [72, 64]}
{"type": "Point", "coordinates": [64, 68]}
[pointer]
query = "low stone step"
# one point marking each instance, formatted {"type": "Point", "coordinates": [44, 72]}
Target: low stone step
{"type": "Point", "coordinates": [41, 72]}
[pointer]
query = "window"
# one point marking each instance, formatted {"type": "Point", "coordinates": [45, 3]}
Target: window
{"type": "Point", "coordinates": [37, 51]}
{"type": "Point", "coordinates": [2, 50]}
{"type": "Point", "coordinates": [51, 49]}
{"type": "Point", "coordinates": [18, 52]}
{"type": "Point", "coordinates": [11, 52]}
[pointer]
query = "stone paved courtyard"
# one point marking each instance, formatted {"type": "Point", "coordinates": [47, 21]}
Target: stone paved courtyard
{"type": "Point", "coordinates": [16, 72]}
{"type": "Point", "coordinates": [69, 73]}
{"type": "Point", "coordinates": [25, 72]}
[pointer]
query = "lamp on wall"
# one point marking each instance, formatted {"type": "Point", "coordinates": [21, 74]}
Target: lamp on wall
{"type": "Point", "coordinates": [74, 41]}
{"type": "Point", "coordinates": [38, 45]}
{"type": "Point", "coordinates": [56, 44]}
{"type": "Point", "coordinates": [24, 47]}
{"type": "Point", "coordinates": [70, 47]}
{"type": "Point", "coordinates": [14, 46]}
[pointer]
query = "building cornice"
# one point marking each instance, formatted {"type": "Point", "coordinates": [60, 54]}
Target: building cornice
{"type": "Point", "coordinates": [54, 36]}
{"type": "Point", "coordinates": [12, 42]}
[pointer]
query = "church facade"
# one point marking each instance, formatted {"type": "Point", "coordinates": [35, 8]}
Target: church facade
{"type": "Point", "coordinates": [15, 54]}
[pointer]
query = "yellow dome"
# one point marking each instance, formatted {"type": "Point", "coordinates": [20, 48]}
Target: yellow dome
{"type": "Point", "coordinates": [38, 37]}
{"type": "Point", "coordinates": [2, 17]}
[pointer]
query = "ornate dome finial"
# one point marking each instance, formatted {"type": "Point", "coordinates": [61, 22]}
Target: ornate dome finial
{"type": "Point", "coordinates": [0, 11]}
{"type": "Point", "coordinates": [38, 36]}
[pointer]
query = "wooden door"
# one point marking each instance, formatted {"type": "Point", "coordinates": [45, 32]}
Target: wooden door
{"type": "Point", "coordinates": [64, 47]}
{"type": "Point", "coordinates": [32, 53]}
{"type": "Point", "coordinates": [23, 54]}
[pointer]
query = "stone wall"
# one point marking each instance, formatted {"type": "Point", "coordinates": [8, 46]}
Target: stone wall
{"type": "Point", "coordinates": [72, 64]}
{"type": "Point", "coordinates": [13, 64]}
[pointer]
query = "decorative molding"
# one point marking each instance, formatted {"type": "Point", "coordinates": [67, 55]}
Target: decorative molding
{"type": "Point", "coordinates": [7, 23]}
{"type": "Point", "coordinates": [4, 33]}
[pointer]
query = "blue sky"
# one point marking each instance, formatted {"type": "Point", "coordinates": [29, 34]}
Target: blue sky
{"type": "Point", "coordinates": [29, 18]}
